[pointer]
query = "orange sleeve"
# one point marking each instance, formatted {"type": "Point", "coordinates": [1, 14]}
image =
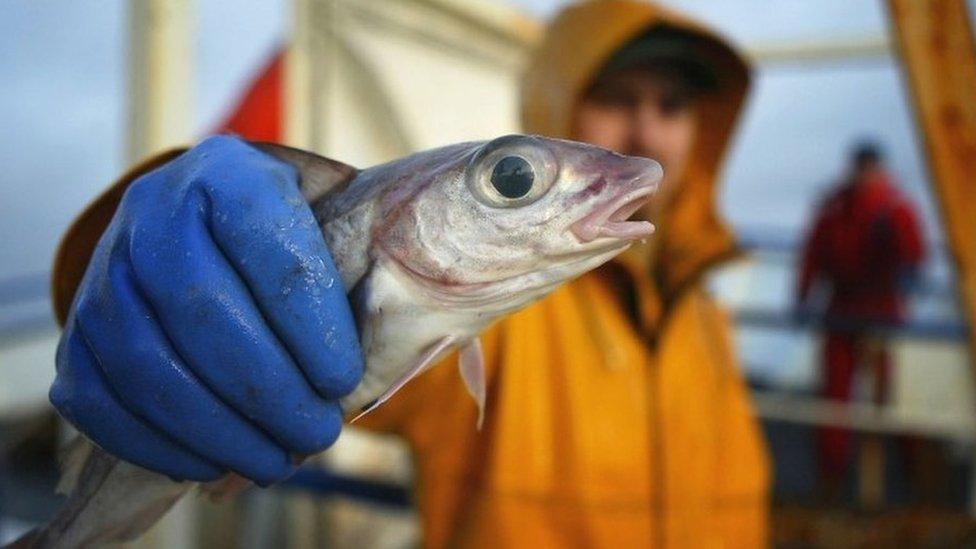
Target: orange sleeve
{"type": "Point", "coordinates": [78, 243]}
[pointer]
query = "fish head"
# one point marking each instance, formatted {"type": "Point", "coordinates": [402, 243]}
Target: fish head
{"type": "Point", "coordinates": [497, 224]}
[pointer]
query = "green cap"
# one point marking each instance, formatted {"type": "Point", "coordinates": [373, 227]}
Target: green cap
{"type": "Point", "coordinates": [664, 47]}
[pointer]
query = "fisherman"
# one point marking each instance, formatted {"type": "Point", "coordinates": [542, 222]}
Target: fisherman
{"type": "Point", "coordinates": [865, 247]}
{"type": "Point", "coordinates": [616, 413]}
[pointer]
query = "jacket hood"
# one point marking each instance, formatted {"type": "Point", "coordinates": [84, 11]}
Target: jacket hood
{"type": "Point", "coordinates": [575, 48]}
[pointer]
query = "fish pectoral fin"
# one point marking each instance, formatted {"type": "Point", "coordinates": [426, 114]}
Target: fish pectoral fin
{"type": "Point", "coordinates": [425, 361]}
{"type": "Point", "coordinates": [471, 364]}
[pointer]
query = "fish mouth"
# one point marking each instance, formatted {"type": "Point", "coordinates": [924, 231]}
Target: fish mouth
{"type": "Point", "coordinates": [610, 219]}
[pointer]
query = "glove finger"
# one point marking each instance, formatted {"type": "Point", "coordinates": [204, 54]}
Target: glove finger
{"type": "Point", "coordinates": [82, 396]}
{"type": "Point", "coordinates": [153, 383]}
{"type": "Point", "coordinates": [208, 314]}
{"type": "Point", "coordinates": [283, 259]}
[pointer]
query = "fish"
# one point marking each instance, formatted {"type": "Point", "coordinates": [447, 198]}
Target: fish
{"type": "Point", "coordinates": [432, 248]}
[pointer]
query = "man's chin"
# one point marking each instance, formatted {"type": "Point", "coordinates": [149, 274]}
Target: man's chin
{"type": "Point", "coordinates": [652, 210]}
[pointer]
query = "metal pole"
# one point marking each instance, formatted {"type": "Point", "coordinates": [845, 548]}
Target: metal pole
{"type": "Point", "coordinates": [160, 102]}
{"type": "Point", "coordinates": [160, 79]}
{"type": "Point", "coordinates": [935, 47]}
{"type": "Point", "coordinates": [309, 63]}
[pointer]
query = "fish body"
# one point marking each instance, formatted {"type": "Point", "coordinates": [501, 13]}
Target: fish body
{"type": "Point", "coordinates": [432, 248]}
{"type": "Point", "coordinates": [446, 254]}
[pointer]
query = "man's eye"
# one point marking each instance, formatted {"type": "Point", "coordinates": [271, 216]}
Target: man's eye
{"type": "Point", "coordinates": [674, 104]}
{"type": "Point", "coordinates": [612, 96]}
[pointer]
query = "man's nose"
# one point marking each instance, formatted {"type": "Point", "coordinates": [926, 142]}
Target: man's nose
{"type": "Point", "coordinates": [644, 135]}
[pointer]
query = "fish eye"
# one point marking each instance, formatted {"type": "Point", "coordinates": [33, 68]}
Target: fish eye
{"type": "Point", "coordinates": [511, 171]}
{"type": "Point", "coordinates": [512, 177]}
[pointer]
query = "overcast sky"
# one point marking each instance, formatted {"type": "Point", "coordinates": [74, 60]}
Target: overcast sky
{"type": "Point", "coordinates": [61, 102]}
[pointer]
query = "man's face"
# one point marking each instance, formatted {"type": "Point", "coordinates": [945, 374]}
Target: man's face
{"type": "Point", "coordinates": [640, 112]}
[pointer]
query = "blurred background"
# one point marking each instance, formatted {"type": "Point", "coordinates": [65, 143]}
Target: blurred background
{"type": "Point", "coordinates": [82, 97]}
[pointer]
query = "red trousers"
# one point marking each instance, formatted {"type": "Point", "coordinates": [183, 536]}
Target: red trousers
{"type": "Point", "coordinates": [844, 352]}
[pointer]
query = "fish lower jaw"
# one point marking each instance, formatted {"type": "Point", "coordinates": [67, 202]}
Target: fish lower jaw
{"type": "Point", "coordinates": [620, 230]}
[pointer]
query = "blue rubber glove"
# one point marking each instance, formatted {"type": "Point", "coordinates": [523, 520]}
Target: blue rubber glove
{"type": "Point", "coordinates": [211, 331]}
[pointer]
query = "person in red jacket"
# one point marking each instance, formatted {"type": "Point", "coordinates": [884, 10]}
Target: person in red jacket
{"type": "Point", "coordinates": [864, 248]}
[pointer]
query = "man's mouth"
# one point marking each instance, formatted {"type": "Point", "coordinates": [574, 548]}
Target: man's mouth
{"type": "Point", "coordinates": [610, 219]}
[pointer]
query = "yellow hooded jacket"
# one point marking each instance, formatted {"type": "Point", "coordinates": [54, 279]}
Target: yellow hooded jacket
{"type": "Point", "coordinates": [599, 430]}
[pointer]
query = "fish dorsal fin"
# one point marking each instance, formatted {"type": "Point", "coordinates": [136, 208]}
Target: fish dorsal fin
{"type": "Point", "coordinates": [471, 364]}
{"type": "Point", "coordinates": [425, 361]}
{"type": "Point", "coordinates": [319, 176]}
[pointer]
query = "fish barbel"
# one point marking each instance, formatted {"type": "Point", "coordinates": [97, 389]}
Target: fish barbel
{"type": "Point", "coordinates": [432, 249]}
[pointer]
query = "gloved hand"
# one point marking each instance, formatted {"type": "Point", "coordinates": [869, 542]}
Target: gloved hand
{"type": "Point", "coordinates": [211, 331]}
